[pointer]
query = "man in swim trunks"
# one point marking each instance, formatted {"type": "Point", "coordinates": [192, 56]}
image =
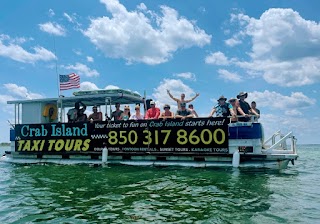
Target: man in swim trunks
{"type": "Point", "coordinates": [182, 98]}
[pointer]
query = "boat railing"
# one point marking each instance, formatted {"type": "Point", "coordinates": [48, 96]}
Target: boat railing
{"type": "Point", "coordinates": [272, 138]}
{"type": "Point", "coordinates": [281, 144]}
{"type": "Point", "coordinates": [253, 118]}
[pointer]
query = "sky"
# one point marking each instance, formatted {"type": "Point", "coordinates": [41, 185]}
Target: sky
{"type": "Point", "coordinates": [268, 48]}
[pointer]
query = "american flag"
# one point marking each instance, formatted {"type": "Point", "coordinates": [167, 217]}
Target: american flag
{"type": "Point", "coordinates": [70, 81]}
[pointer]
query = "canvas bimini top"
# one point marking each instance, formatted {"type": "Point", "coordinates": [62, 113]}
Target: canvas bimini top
{"type": "Point", "coordinates": [32, 111]}
{"type": "Point", "coordinates": [90, 98]}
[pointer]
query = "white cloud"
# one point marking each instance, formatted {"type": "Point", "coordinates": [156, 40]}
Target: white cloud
{"type": "Point", "coordinates": [142, 7]}
{"type": "Point", "coordinates": [186, 75]}
{"type": "Point", "coordinates": [87, 86]}
{"type": "Point", "coordinates": [5, 98]}
{"type": "Point", "coordinates": [82, 69]}
{"type": "Point", "coordinates": [293, 112]}
{"type": "Point", "coordinates": [134, 36]}
{"type": "Point", "coordinates": [51, 13]}
{"type": "Point", "coordinates": [229, 76]}
{"type": "Point", "coordinates": [202, 10]}
{"type": "Point", "coordinates": [90, 59]}
{"type": "Point", "coordinates": [176, 87]}
{"type": "Point", "coordinates": [77, 52]}
{"type": "Point", "coordinates": [301, 127]}
{"type": "Point", "coordinates": [17, 53]}
{"type": "Point", "coordinates": [72, 19]}
{"type": "Point", "coordinates": [52, 28]}
{"type": "Point", "coordinates": [296, 102]}
{"type": "Point", "coordinates": [231, 42]}
{"type": "Point", "coordinates": [21, 91]}
{"type": "Point", "coordinates": [111, 87]}
{"type": "Point", "coordinates": [69, 18]}
{"type": "Point", "coordinates": [217, 58]}
{"type": "Point", "coordinates": [285, 47]}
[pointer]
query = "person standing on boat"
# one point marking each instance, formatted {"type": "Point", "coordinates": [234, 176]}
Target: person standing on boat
{"type": "Point", "coordinates": [137, 115]}
{"type": "Point", "coordinates": [245, 106]}
{"type": "Point", "coordinates": [153, 112]}
{"type": "Point", "coordinates": [182, 98]}
{"type": "Point", "coordinates": [117, 113]}
{"type": "Point", "coordinates": [167, 113]}
{"type": "Point", "coordinates": [190, 106]}
{"type": "Point", "coordinates": [95, 116]}
{"type": "Point", "coordinates": [75, 113]}
{"type": "Point", "coordinates": [183, 112]}
{"type": "Point", "coordinates": [222, 109]}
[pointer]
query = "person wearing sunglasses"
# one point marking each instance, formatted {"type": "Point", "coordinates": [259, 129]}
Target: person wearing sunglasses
{"type": "Point", "coordinates": [137, 115]}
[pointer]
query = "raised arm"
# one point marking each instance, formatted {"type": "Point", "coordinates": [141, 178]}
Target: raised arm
{"type": "Point", "coordinates": [175, 99]}
{"type": "Point", "coordinates": [188, 101]}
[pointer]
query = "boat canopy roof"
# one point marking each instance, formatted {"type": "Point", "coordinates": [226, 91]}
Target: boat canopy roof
{"type": "Point", "coordinates": [90, 98]}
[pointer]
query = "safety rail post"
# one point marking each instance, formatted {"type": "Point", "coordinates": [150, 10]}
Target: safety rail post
{"type": "Point", "coordinates": [293, 145]}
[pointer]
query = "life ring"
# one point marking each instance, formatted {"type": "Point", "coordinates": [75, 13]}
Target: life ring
{"type": "Point", "coordinates": [50, 110]}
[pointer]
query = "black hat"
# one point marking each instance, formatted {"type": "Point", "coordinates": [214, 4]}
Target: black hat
{"type": "Point", "coordinates": [242, 94]}
{"type": "Point", "coordinates": [222, 98]}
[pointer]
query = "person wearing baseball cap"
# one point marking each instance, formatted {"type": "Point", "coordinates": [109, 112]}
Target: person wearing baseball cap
{"type": "Point", "coordinates": [153, 112]}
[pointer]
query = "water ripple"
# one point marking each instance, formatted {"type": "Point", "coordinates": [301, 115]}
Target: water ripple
{"type": "Point", "coordinates": [123, 194]}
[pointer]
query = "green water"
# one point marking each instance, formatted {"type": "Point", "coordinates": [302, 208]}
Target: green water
{"type": "Point", "coordinates": [125, 194]}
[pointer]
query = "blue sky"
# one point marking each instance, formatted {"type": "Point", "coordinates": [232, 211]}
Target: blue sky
{"type": "Point", "coordinates": [270, 49]}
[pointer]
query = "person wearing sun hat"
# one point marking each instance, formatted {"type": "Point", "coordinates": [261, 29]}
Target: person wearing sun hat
{"type": "Point", "coordinates": [223, 108]}
{"type": "Point", "coordinates": [245, 106]}
{"type": "Point", "coordinates": [167, 113]}
{"type": "Point", "coordinates": [153, 112]}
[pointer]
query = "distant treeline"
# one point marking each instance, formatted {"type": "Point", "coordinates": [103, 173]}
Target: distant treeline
{"type": "Point", "coordinates": [4, 144]}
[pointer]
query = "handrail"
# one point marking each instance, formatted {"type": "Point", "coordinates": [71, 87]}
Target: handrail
{"type": "Point", "coordinates": [272, 137]}
{"type": "Point", "coordinates": [252, 117]}
{"type": "Point", "coordinates": [281, 141]}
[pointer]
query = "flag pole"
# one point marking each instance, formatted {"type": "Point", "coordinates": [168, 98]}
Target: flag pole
{"type": "Point", "coordinates": [58, 80]}
{"type": "Point", "coordinates": [55, 54]}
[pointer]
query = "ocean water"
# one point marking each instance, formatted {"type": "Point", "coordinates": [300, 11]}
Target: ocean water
{"type": "Point", "coordinates": [125, 194]}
